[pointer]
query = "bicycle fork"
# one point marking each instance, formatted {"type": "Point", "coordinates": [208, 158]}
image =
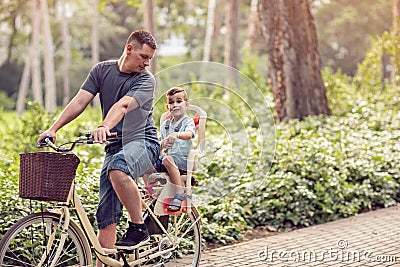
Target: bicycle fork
{"type": "Point", "coordinates": [51, 232]}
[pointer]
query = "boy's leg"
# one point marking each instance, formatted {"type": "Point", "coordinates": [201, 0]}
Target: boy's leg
{"type": "Point", "coordinates": [173, 172]}
{"type": "Point", "coordinates": [175, 177]}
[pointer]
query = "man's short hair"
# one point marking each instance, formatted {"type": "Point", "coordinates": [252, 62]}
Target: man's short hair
{"type": "Point", "coordinates": [175, 90]}
{"type": "Point", "coordinates": [140, 37]}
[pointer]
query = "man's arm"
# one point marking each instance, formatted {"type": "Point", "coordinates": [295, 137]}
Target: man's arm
{"type": "Point", "coordinates": [114, 116]}
{"type": "Point", "coordinates": [74, 108]}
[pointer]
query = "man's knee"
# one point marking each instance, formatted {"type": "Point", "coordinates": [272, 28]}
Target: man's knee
{"type": "Point", "coordinates": [117, 176]}
{"type": "Point", "coordinates": [168, 162]}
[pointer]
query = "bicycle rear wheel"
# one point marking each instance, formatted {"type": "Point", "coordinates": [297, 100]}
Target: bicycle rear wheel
{"type": "Point", "coordinates": [185, 230]}
{"type": "Point", "coordinates": [27, 243]}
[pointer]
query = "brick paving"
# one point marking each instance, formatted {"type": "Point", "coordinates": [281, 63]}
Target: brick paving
{"type": "Point", "coordinates": [368, 239]}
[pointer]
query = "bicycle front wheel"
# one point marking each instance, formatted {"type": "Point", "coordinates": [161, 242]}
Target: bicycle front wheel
{"type": "Point", "coordinates": [33, 241]}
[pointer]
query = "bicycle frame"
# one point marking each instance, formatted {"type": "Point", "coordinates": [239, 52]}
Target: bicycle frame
{"type": "Point", "coordinates": [90, 236]}
{"type": "Point", "coordinates": [87, 233]}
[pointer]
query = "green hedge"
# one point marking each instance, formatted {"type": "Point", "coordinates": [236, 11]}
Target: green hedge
{"type": "Point", "coordinates": [324, 168]}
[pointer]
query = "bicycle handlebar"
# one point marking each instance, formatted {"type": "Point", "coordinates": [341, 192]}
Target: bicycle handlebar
{"type": "Point", "coordinates": [88, 138]}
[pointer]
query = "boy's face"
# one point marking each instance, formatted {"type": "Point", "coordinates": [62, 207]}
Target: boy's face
{"type": "Point", "coordinates": [177, 105]}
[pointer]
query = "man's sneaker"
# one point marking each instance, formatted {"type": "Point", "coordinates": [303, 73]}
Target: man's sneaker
{"type": "Point", "coordinates": [136, 236]}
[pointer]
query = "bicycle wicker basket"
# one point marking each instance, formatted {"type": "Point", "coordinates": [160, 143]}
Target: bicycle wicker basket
{"type": "Point", "coordinates": [47, 176]}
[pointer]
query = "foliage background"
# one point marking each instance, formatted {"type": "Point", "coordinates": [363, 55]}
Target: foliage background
{"type": "Point", "coordinates": [324, 168]}
{"type": "Point", "coordinates": [176, 19]}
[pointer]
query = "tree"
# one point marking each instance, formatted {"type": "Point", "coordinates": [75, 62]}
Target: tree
{"type": "Point", "coordinates": [209, 30]}
{"type": "Point", "coordinates": [35, 53]}
{"type": "Point", "coordinates": [150, 25]}
{"type": "Point", "coordinates": [32, 64]}
{"type": "Point", "coordinates": [50, 82]}
{"type": "Point", "coordinates": [293, 59]}
{"type": "Point", "coordinates": [253, 25]}
{"type": "Point", "coordinates": [363, 19]}
{"type": "Point", "coordinates": [13, 22]}
{"type": "Point", "coordinates": [396, 16]}
{"type": "Point", "coordinates": [95, 43]}
{"type": "Point", "coordinates": [23, 87]}
{"type": "Point", "coordinates": [231, 56]}
{"type": "Point", "coordinates": [66, 53]}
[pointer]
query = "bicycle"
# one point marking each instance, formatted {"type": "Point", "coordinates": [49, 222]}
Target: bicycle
{"type": "Point", "coordinates": [53, 238]}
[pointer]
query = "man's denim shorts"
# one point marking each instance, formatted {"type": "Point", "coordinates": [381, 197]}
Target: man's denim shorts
{"type": "Point", "coordinates": [134, 158]}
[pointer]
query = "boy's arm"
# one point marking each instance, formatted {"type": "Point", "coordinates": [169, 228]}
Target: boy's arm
{"type": "Point", "coordinates": [184, 135]}
{"type": "Point", "coordinates": [189, 130]}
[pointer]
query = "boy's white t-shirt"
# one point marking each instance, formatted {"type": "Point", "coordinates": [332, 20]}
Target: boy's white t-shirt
{"type": "Point", "coordinates": [181, 147]}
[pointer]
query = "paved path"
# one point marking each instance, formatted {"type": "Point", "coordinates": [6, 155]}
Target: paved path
{"type": "Point", "coordinates": [368, 239]}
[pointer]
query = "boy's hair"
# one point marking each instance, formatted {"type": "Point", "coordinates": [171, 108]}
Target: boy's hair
{"type": "Point", "coordinates": [138, 38]}
{"type": "Point", "coordinates": [175, 90]}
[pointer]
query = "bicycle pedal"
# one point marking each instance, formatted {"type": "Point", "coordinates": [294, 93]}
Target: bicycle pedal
{"type": "Point", "coordinates": [122, 256]}
{"type": "Point", "coordinates": [162, 181]}
{"type": "Point", "coordinates": [126, 251]}
{"type": "Point", "coordinates": [159, 264]}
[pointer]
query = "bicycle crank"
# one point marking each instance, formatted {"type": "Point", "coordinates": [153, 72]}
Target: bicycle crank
{"type": "Point", "coordinates": [165, 243]}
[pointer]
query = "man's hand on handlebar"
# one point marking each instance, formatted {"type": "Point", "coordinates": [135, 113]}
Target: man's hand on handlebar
{"type": "Point", "coordinates": [88, 138]}
{"type": "Point", "coordinates": [101, 133]}
{"type": "Point", "coordinates": [41, 138]}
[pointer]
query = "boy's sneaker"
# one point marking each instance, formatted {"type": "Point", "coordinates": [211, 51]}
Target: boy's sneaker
{"type": "Point", "coordinates": [136, 236]}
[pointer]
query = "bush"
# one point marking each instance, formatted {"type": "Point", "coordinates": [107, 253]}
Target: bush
{"type": "Point", "coordinates": [324, 168]}
{"type": "Point", "coordinates": [19, 135]}
{"type": "Point", "coordinates": [340, 91]}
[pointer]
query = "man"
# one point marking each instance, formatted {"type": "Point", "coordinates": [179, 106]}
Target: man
{"type": "Point", "coordinates": [126, 92]}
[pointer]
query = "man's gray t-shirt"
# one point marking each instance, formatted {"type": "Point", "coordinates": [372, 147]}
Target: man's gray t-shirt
{"type": "Point", "coordinates": [111, 84]}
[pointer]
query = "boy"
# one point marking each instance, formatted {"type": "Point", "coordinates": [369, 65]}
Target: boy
{"type": "Point", "coordinates": [177, 135]}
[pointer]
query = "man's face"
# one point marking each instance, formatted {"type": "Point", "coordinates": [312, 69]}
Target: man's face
{"type": "Point", "coordinates": [139, 58]}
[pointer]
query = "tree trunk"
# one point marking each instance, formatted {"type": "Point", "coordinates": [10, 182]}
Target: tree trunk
{"type": "Point", "coordinates": [216, 55]}
{"type": "Point", "coordinates": [253, 23]}
{"type": "Point", "coordinates": [35, 54]}
{"type": "Point", "coordinates": [294, 62]}
{"type": "Point", "coordinates": [209, 30]}
{"type": "Point", "coordinates": [23, 87]}
{"type": "Point", "coordinates": [13, 27]}
{"type": "Point", "coordinates": [95, 43]}
{"type": "Point", "coordinates": [396, 16]}
{"type": "Point", "coordinates": [150, 25]}
{"type": "Point", "coordinates": [32, 64]}
{"type": "Point", "coordinates": [67, 54]}
{"type": "Point", "coordinates": [50, 82]}
{"type": "Point", "coordinates": [95, 33]}
{"type": "Point", "coordinates": [231, 57]}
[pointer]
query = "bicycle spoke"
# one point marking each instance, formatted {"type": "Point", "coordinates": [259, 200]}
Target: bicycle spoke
{"type": "Point", "coordinates": [25, 244]}
{"type": "Point", "coordinates": [192, 224]}
{"type": "Point", "coordinates": [184, 231]}
{"type": "Point", "coordinates": [17, 260]}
